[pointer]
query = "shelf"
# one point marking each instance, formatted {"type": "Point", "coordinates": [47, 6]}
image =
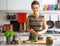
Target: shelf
{"type": "Point", "coordinates": [29, 11]}
{"type": "Point", "coordinates": [51, 12]}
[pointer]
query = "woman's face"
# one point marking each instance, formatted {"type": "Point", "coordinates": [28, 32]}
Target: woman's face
{"type": "Point", "coordinates": [35, 8]}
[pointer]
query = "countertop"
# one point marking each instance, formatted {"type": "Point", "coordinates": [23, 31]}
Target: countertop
{"type": "Point", "coordinates": [25, 36]}
{"type": "Point", "coordinates": [55, 43]}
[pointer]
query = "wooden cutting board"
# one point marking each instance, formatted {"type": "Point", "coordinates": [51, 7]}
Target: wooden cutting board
{"type": "Point", "coordinates": [38, 42]}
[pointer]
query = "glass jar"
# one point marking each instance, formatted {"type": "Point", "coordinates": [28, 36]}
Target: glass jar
{"type": "Point", "coordinates": [34, 37]}
{"type": "Point", "coordinates": [49, 40]}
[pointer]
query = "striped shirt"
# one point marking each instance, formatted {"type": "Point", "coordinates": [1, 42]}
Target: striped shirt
{"type": "Point", "coordinates": [36, 24]}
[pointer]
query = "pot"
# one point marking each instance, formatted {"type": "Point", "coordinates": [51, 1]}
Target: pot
{"type": "Point", "coordinates": [14, 16]}
{"type": "Point", "coordinates": [8, 17]}
{"type": "Point", "coordinates": [50, 23]}
{"type": "Point", "coordinates": [57, 23]}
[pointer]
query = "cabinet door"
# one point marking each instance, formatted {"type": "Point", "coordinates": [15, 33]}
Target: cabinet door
{"type": "Point", "coordinates": [3, 5]}
{"type": "Point", "coordinates": [19, 4]}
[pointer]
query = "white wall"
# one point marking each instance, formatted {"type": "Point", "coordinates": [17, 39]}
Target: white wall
{"type": "Point", "coordinates": [49, 1]}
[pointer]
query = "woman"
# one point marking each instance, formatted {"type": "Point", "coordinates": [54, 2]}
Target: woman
{"type": "Point", "coordinates": [36, 22]}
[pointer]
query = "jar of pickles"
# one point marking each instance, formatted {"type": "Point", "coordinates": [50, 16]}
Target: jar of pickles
{"type": "Point", "coordinates": [49, 40]}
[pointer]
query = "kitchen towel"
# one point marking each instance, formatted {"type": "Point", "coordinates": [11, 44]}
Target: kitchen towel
{"type": "Point", "coordinates": [21, 17]}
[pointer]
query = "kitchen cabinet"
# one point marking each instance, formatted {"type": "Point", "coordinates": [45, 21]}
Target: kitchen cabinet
{"type": "Point", "coordinates": [19, 4]}
{"type": "Point", "coordinates": [3, 4]}
{"type": "Point", "coordinates": [49, 1]}
{"type": "Point", "coordinates": [15, 4]}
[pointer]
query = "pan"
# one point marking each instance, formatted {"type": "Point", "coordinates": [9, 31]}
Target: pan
{"type": "Point", "coordinates": [50, 23]}
{"type": "Point", "coordinates": [8, 17]}
{"type": "Point", "coordinates": [57, 23]}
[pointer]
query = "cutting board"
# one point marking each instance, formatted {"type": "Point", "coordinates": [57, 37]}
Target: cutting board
{"type": "Point", "coordinates": [38, 42]}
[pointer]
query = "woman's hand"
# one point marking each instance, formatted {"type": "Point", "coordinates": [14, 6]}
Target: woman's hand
{"type": "Point", "coordinates": [31, 31]}
{"type": "Point", "coordinates": [38, 34]}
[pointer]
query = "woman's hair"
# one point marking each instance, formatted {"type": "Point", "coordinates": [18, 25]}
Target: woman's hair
{"type": "Point", "coordinates": [34, 2]}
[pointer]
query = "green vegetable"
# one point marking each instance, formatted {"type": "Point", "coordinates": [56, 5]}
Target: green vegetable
{"type": "Point", "coordinates": [24, 41]}
{"type": "Point", "coordinates": [9, 33]}
{"type": "Point", "coordinates": [34, 37]}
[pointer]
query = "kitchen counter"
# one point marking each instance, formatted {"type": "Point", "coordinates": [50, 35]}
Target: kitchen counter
{"type": "Point", "coordinates": [55, 43]}
{"type": "Point", "coordinates": [25, 36]}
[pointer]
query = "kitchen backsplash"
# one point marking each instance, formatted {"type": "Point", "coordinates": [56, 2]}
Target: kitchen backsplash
{"type": "Point", "coordinates": [3, 19]}
{"type": "Point", "coordinates": [53, 14]}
